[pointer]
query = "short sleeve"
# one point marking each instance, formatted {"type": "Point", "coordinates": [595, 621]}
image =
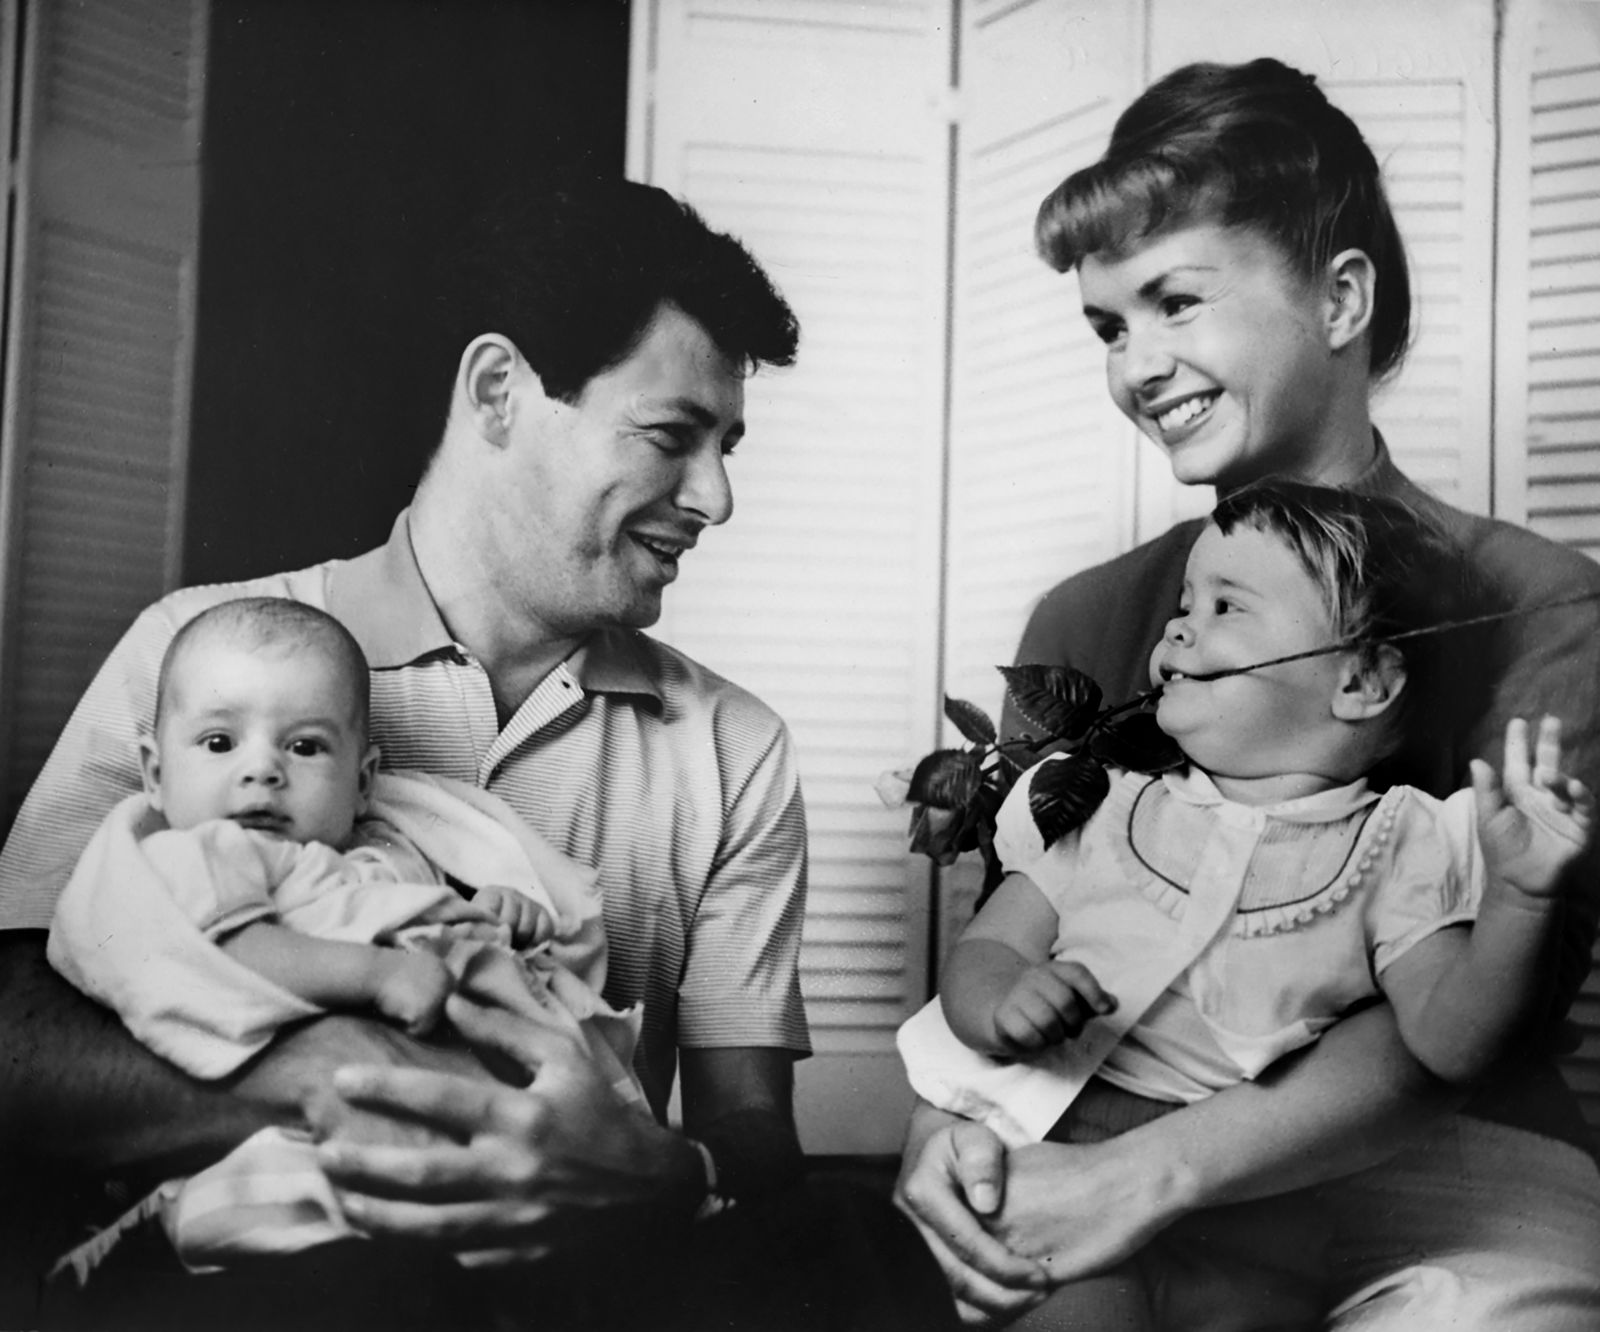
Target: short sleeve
{"type": "Point", "coordinates": [1432, 875]}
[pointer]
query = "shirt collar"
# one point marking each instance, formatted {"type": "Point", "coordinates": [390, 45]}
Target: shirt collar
{"type": "Point", "coordinates": [382, 598]}
{"type": "Point", "coordinates": [1195, 787]}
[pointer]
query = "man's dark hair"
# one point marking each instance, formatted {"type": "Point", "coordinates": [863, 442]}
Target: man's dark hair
{"type": "Point", "coordinates": [1256, 145]}
{"type": "Point", "coordinates": [573, 273]}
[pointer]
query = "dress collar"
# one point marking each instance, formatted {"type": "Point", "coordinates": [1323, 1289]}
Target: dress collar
{"type": "Point", "coordinates": [1195, 787]}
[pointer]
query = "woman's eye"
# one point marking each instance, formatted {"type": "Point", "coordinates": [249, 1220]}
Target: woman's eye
{"type": "Point", "coordinates": [216, 744]}
{"type": "Point", "coordinates": [1108, 333]}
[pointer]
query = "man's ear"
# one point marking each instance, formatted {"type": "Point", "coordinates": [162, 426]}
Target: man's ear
{"type": "Point", "coordinates": [1352, 285]}
{"type": "Point", "coordinates": [150, 770]}
{"type": "Point", "coordinates": [483, 385]}
{"type": "Point", "coordinates": [366, 774]}
{"type": "Point", "coordinates": [1370, 683]}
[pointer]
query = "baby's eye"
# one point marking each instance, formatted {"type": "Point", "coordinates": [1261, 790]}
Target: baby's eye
{"type": "Point", "coordinates": [216, 744]}
{"type": "Point", "coordinates": [1223, 606]}
{"type": "Point", "coordinates": [307, 747]}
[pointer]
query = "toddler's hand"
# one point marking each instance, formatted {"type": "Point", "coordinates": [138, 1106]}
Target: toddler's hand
{"type": "Point", "coordinates": [412, 988]}
{"type": "Point", "coordinates": [1049, 1003]}
{"type": "Point", "coordinates": [1533, 821]}
{"type": "Point", "coordinates": [529, 923]}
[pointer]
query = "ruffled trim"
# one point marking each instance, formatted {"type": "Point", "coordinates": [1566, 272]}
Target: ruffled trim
{"type": "Point", "coordinates": [1256, 922]}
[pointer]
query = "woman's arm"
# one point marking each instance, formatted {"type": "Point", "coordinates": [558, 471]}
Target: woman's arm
{"type": "Point", "coordinates": [1350, 1101]}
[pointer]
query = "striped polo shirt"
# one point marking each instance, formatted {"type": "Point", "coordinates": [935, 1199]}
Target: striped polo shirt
{"type": "Point", "coordinates": [677, 785]}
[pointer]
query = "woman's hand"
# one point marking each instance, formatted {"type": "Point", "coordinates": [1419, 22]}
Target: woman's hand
{"type": "Point", "coordinates": [1078, 1209]}
{"type": "Point", "coordinates": [952, 1177]}
{"type": "Point", "coordinates": [513, 1173]}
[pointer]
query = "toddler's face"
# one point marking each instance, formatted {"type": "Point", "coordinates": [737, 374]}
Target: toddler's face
{"type": "Point", "coordinates": [267, 737]}
{"type": "Point", "coordinates": [1246, 598]}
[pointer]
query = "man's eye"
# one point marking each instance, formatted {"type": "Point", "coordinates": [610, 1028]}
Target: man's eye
{"type": "Point", "coordinates": [216, 744]}
{"type": "Point", "coordinates": [1176, 305]}
{"type": "Point", "coordinates": [306, 748]}
{"type": "Point", "coordinates": [670, 438]}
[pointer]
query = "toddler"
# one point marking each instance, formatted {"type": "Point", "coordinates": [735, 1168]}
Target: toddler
{"type": "Point", "coordinates": [1206, 922]}
{"type": "Point", "coordinates": [269, 873]}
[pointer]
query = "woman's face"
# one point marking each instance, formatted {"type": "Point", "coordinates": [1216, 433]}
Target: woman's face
{"type": "Point", "coordinates": [1220, 352]}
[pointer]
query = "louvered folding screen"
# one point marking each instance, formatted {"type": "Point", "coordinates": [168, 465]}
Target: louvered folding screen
{"type": "Point", "coordinates": [1551, 264]}
{"type": "Point", "coordinates": [815, 134]}
{"type": "Point", "coordinates": [100, 318]}
{"type": "Point", "coordinates": [808, 125]}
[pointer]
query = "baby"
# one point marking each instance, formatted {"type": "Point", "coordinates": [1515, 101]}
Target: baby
{"type": "Point", "coordinates": [1204, 923]}
{"type": "Point", "coordinates": [269, 873]}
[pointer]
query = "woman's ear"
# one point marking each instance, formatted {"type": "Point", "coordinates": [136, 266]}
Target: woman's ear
{"type": "Point", "coordinates": [1352, 284]}
{"type": "Point", "coordinates": [1370, 683]}
{"type": "Point", "coordinates": [483, 385]}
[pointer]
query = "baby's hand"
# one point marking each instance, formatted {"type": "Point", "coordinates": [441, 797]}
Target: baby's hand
{"type": "Point", "coordinates": [1049, 1003]}
{"type": "Point", "coordinates": [412, 988]}
{"type": "Point", "coordinates": [1534, 821]}
{"type": "Point", "coordinates": [530, 924]}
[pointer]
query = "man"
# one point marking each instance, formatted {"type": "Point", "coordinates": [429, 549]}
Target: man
{"type": "Point", "coordinates": [606, 334]}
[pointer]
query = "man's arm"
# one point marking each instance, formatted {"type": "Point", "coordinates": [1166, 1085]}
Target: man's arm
{"type": "Point", "coordinates": [77, 1090]}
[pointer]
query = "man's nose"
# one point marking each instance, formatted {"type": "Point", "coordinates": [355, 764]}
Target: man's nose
{"type": "Point", "coordinates": [705, 490]}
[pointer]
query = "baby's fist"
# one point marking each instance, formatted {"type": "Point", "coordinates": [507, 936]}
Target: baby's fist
{"type": "Point", "coordinates": [412, 988]}
{"type": "Point", "coordinates": [1048, 1004]}
{"type": "Point", "coordinates": [528, 922]}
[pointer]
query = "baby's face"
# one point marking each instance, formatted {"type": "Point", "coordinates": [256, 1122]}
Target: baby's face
{"type": "Point", "coordinates": [268, 737]}
{"type": "Point", "coordinates": [1246, 598]}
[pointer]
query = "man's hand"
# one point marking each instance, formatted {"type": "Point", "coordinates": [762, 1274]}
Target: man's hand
{"type": "Point", "coordinates": [1535, 820]}
{"type": "Point", "coordinates": [292, 1079]}
{"type": "Point", "coordinates": [510, 1173]}
{"type": "Point", "coordinates": [1048, 1003]}
{"type": "Point", "coordinates": [953, 1178]}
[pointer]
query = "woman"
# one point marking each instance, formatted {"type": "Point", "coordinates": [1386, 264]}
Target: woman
{"type": "Point", "coordinates": [1238, 258]}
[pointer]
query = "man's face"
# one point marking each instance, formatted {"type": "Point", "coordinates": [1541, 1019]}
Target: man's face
{"type": "Point", "coordinates": [605, 494]}
{"type": "Point", "coordinates": [267, 737]}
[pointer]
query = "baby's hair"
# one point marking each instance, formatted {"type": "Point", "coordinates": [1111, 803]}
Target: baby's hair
{"type": "Point", "coordinates": [1382, 570]}
{"type": "Point", "coordinates": [274, 622]}
{"type": "Point", "coordinates": [1254, 145]}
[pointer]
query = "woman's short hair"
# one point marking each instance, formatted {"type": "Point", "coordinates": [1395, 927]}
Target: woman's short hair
{"type": "Point", "coordinates": [1383, 570]}
{"type": "Point", "coordinates": [572, 270]}
{"type": "Point", "coordinates": [1256, 145]}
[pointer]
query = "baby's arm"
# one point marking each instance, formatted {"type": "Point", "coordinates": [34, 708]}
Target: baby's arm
{"type": "Point", "coordinates": [1463, 997]}
{"type": "Point", "coordinates": [1001, 992]}
{"type": "Point", "coordinates": [530, 923]}
{"type": "Point", "coordinates": [408, 987]}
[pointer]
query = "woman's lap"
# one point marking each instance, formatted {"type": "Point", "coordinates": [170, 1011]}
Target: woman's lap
{"type": "Point", "coordinates": [1477, 1226]}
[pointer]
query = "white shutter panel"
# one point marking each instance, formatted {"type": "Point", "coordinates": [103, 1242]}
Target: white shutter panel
{"type": "Point", "coordinates": [814, 132]}
{"type": "Point", "coordinates": [101, 301]}
{"type": "Point", "coordinates": [1041, 462]}
{"type": "Point", "coordinates": [1549, 370]}
{"type": "Point", "coordinates": [1426, 106]}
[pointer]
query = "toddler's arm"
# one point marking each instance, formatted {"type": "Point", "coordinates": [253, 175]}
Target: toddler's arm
{"type": "Point", "coordinates": [1463, 997]}
{"type": "Point", "coordinates": [530, 923]}
{"type": "Point", "coordinates": [409, 988]}
{"type": "Point", "coordinates": [1001, 992]}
